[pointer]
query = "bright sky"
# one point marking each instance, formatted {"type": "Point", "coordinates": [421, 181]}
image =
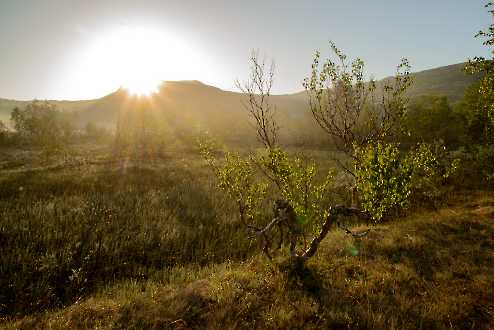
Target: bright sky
{"type": "Point", "coordinates": [69, 49]}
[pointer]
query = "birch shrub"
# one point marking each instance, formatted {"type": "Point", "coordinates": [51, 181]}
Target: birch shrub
{"type": "Point", "coordinates": [389, 179]}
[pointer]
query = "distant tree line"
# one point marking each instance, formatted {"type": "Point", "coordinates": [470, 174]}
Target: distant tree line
{"type": "Point", "coordinates": [42, 124]}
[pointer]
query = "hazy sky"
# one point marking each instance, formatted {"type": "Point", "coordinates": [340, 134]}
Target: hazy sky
{"type": "Point", "coordinates": [60, 49]}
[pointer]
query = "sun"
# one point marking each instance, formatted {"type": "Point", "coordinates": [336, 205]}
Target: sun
{"type": "Point", "coordinates": [143, 59]}
{"type": "Point", "coordinates": [138, 59]}
{"type": "Point", "coordinates": [141, 86]}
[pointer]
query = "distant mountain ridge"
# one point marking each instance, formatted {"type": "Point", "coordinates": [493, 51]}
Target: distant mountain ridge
{"type": "Point", "coordinates": [200, 102]}
{"type": "Point", "coordinates": [450, 81]}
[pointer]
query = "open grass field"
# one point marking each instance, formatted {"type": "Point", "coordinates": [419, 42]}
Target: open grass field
{"type": "Point", "coordinates": [92, 243]}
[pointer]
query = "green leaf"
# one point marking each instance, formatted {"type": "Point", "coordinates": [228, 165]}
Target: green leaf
{"type": "Point", "coordinates": [302, 219]}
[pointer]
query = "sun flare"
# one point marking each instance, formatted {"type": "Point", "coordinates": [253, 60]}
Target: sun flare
{"type": "Point", "coordinates": [138, 59]}
{"type": "Point", "coordinates": [141, 87]}
{"type": "Point", "coordinates": [143, 55]}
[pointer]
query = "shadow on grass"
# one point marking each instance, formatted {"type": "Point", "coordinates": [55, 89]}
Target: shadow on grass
{"type": "Point", "coordinates": [301, 278]}
{"type": "Point", "coordinates": [442, 244]}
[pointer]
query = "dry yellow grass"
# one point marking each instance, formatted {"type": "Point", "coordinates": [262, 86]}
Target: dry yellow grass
{"type": "Point", "coordinates": [431, 270]}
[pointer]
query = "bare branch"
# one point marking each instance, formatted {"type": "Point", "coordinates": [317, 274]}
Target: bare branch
{"type": "Point", "coordinates": [257, 90]}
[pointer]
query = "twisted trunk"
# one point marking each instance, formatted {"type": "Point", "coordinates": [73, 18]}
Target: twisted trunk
{"type": "Point", "coordinates": [284, 215]}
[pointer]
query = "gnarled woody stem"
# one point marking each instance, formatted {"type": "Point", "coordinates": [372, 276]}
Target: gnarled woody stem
{"type": "Point", "coordinates": [334, 212]}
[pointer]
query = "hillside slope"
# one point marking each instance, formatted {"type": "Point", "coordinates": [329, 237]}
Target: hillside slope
{"type": "Point", "coordinates": [203, 100]}
{"type": "Point", "coordinates": [188, 107]}
{"type": "Point", "coordinates": [450, 81]}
